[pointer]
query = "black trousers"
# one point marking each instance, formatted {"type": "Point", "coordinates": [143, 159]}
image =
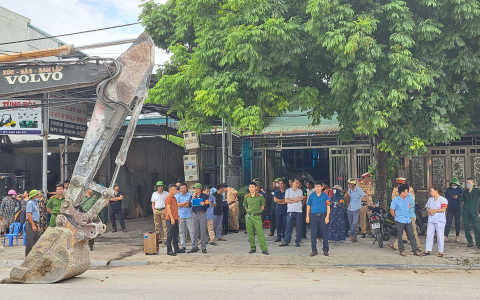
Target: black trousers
{"type": "Point", "coordinates": [113, 214]}
{"type": "Point", "coordinates": [172, 235]}
{"type": "Point", "coordinates": [408, 227]}
{"type": "Point", "coordinates": [451, 213]}
{"type": "Point", "coordinates": [319, 229]}
{"type": "Point", "coordinates": [31, 238]}
{"type": "Point", "coordinates": [225, 217]}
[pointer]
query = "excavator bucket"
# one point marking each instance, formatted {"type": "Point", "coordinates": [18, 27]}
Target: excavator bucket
{"type": "Point", "coordinates": [62, 252]}
{"type": "Point", "coordinates": [56, 256]}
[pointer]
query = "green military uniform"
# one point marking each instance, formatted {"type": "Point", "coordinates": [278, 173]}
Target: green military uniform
{"type": "Point", "coordinates": [87, 203]}
{"type": "Point", "coordinates": [103, 214]}
{"type": "Point", "coordinates": [470, 214]}
{"type": "Point", "coordinates": [253, 206]}
{"type": "Point", "coordinates": [54, 203]}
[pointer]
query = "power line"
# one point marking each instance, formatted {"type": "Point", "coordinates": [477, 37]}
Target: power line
{"type": "Point", "coordinates": [87, 31]}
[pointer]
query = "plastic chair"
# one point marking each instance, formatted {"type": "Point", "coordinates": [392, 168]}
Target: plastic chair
{"type": "Point", "coordinates": [267, 224]}
{"type": "Point", "coordinates": [24, 235]}
{"type": "Point", "coordinates": [14, 232]}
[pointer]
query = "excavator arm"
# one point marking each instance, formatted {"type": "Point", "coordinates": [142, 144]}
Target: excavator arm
{"type": "Point", "coordinates": [62, 252]}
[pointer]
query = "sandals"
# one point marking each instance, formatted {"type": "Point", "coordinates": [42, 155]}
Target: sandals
{"type": "Point", "coordinates": [418, 253]}
{"type": "Point", "coordinates": [425, 253]}
{"type": "Point", "coordinates": [403, 253]}
{"type": "Point", "coordinates": [440, 254]}
{"type": "Point", "coordinates": [393, 247]}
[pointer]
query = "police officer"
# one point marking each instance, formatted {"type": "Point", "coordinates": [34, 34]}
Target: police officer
{"type": "Point", "coordinates": [367, 187]}
{"type": "Point", "coordinates": [254, 205]}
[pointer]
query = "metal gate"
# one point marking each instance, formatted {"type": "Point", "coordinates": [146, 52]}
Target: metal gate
{"type": "Point", "coordinates": [363, 161]}
{"type": "Point", "coordinates": [340, 166]}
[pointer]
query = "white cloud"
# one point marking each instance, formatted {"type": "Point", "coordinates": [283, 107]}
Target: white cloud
{"type": "Point", "coordinates": [67, 16]}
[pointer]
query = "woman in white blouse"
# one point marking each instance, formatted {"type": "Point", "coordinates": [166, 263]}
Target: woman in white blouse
{"type": "Point", "coordinates": [436, 207]}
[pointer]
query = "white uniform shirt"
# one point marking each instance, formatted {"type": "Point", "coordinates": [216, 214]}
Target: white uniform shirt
{"type": "Point", "coordinates": [294, 207]}
{"type": "Point", "coordinates": [159, 199]}
{"type": "Point", "coordinates": [440, 203]}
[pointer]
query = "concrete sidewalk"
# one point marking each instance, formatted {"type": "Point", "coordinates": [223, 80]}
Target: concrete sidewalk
{"type": "Point", "coordinates": [117, 249]}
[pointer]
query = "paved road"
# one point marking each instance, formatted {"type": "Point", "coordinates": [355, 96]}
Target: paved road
{"type": "Point", "coordinates": [169, 282]}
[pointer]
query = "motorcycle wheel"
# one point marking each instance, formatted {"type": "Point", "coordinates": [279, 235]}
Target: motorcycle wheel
{"type": "Point", "coordinates": [386, 236]}
{"type": "Point", "coordinates": [378, 237]}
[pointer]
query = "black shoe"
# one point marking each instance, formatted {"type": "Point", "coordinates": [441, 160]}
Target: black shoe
{"type": "Point", "coordinates": [297, 245]}
{"type": "Point", "coordinates": [159, 242]}
{"type": "Point", "coordinates": [124, 230]}
{"type": "Point", "coordinates": [213, 243]}
{"type": "Point", "coordinates": [235, 231]}
{"type": "Point", "coordinates": [179, 251]}
{"type": "Point", "coordinates": [204, 251]}
{"type": "Point", "coordinates": [278, 240]}
{"type": "Point", "coordinates": [114, 230]}
{"type": "Point", "coordinates": [91, 248]}
{"type": "Point", "coordinates": [252, 251]}
{"type": "Point", "coordinates": [283, 245]}
{"type": "Point", "coordinates": [373, 236]}
{"type": "Point", "coordinates": [470, 245]}
{"type": "Point", "coordinates": [405, 242]}
{"type": "Point", "coordinates": [265, 252]}
{"type": "Point", "coordinates": [194, 250]}
{"type": "Point", "coordinates": [183, 248]}
{"type": "Point", "coordinates": [363, 235]}
{"type": "Point", "coordinates": [245, 232]}
{"type": "Point", "coordinates": [171, 253]}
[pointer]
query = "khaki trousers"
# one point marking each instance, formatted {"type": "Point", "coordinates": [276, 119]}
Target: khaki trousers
{"type": "Point", "coordinates": [159, 218]}
{"type": "Point", "coordinates": [233, 212]}
{"type": "Point", "coordinates": [211, 232]}
{"type": "Point", "coordinates": [405, 235]}
{"type": "Point", "coordinates": [363, 218]}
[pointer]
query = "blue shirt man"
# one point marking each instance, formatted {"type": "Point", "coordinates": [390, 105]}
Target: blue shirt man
{"type": "Point", "coordinates": [280, 195]}
{"type": "Point", "coordinates": [317, 203]}
{"type": "Point", "coordinates": [412, 205]}
{"type": "Point", "coordinates": [184, 212]}
{"type": "Point", "coordinates": [355, 198]}
{"type": "Point", "coordinates": [32, 208]}
{"type": "Point", "coordinates": [402, 209]}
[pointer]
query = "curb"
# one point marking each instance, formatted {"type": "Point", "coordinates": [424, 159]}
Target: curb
{"type": "Point", "coordinates": [93, 264]}
{"type": "Point", "coordinates": [402, 266]}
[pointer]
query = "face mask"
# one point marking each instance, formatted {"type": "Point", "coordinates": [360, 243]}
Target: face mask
{"type": "Point", "coordinates": [334, 192]}
{"type": "Point", "coordinates": [454, 186]}
{"type": "Point", "coordinates": [469, 185]}
{"type": "Point", "coordinates": [276, 184]}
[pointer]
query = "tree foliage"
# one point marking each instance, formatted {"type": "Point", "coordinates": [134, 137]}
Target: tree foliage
{"type": "Point", "coordinates": [405, 72]}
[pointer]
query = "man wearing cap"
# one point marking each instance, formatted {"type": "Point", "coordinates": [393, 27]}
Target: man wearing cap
{"type": "Point", "coordinates": [54, 204]}
{"type": "Point", "coordinates": [470, 199]}
{"type": "Point", "coordinates": [399, 181]}
{"type": "Point", "coordinates": [185, 213]}
{"type": "Point", "coordinates": [158, 207]}
{"type": "Point", "coordinates": [116, 209]}
{"type": "Point", "coordinates": [199, 205]}
{"type": "Point", "coordinates": [254, 204]}
{"type": "Point", "coordinates": [354, 202]}
{"type": "Point", "coordinates": [273, 207]}
{"type": "Point", "coordinates": [280, 210]}
{"type": "Point", "coordinates": [8, 210]}
{"type": "Point", "coordinates": [32, 228]}
{"type": "Point", "coordinates": [367, 188]}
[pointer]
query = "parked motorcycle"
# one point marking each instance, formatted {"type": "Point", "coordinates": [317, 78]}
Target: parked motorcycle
{"type": "Point", "coordinates": [377, 219]}
{"type": "Point", "coordinates": [422, 219]}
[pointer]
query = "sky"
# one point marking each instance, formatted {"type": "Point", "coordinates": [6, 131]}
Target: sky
{"type": "Point", "coordinates": [68, 16]}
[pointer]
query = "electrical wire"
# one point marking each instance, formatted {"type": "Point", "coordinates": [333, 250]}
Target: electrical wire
{"type": "Point", "coordinates": [67, 34]}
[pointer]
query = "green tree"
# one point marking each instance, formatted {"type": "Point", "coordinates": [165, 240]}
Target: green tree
{"type": "Point", "coordinates": [239, 60]}
{"type": "Point", "coordinates": [404, 72]}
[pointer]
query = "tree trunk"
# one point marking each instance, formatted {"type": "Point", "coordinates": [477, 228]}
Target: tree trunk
{"type": "Point", "coordinates": [381, 172]}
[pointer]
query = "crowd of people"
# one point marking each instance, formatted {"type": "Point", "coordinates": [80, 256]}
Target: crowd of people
{"type": "Point", "coordinates": [36, 213]}
{"type": "Point", "coordinates": [210, 213]}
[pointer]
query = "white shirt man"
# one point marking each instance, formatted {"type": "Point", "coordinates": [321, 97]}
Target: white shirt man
{"type": "Point", "coordinates": [158, 207]}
